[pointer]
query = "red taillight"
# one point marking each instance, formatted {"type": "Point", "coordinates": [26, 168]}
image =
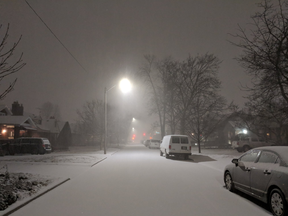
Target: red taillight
{"type": "Point", "coordinates": [238, 143]}
{"type": "Point", "coordinates": [189, 147]}
{"type": "Point", "coordinates": [169, 146]}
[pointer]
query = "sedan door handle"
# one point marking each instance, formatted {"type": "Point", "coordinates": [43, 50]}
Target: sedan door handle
{"type": "Point", "coordinates": [267, 172]}
{"type": "Point", "coordinates": [247, 169]}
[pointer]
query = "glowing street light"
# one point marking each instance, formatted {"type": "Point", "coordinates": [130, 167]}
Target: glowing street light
{"type": "Point", "coordinates": [125, 86]}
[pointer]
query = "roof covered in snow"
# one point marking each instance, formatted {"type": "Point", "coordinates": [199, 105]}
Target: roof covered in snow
{"type": "Point", "coordinates": [4, 110]}
{"type": "Point", "coordinates": [54, 125]}
{"type": "Point", "coordinates": [17, 120]}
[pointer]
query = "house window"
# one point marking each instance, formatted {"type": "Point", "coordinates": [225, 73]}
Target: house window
{"type": "Point", "coordinates": [22, 133]}
{"type": "Point", "coordinates": [11, 134]}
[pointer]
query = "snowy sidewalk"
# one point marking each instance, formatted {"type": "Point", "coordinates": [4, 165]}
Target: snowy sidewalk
{"type": "Point", "coordinates": [59, 167]}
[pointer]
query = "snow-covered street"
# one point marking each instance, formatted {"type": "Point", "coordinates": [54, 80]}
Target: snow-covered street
{"type": "Point", "coordinates": [137, 181]}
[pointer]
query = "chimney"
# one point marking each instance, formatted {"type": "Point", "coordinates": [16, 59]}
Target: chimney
{"type": "Point", "coordinates": [17, 109]}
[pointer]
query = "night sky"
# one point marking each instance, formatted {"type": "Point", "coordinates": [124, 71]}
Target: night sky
{"type": "Point", "coordinates": [109, 39]}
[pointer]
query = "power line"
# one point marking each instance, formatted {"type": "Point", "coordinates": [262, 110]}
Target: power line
{"type": "Point", "coordinates": [56, 37]}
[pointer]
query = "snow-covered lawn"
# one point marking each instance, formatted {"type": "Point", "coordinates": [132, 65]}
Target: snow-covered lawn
{"type": "Point", "coordinates": [75, 156]}
{"type": "Point", "coordinates": [25, 177]}
{"type": "Point", "coordinates": [55, 159]}
{"type": "Point", "coordinates": [20, 186]}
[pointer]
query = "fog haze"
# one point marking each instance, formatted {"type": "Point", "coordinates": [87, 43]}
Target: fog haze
{"type": "Point", "coordinates": [109, 39]}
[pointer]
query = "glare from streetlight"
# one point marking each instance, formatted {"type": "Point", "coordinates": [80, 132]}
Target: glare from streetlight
{"type": "Point", "coordinates": [125, 85]}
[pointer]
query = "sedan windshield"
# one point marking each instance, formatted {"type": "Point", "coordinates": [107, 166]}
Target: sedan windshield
{"type": "Point", "coordinates": [250, 156]}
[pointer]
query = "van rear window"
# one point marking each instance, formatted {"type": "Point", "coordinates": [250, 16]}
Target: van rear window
{"type": "Point", "coordinates": [175, 139]}
{"type": "Point", "coordinates": [184, 140]}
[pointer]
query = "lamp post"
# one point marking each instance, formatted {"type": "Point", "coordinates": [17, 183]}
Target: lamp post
{"type": "Point", "coordinates": [125, 86]}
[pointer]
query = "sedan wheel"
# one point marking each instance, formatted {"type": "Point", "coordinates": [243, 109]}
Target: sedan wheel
{"type": "Point", "coordinates": [277, 203]}
{"type": "Point", "coordinates": [228, 182]}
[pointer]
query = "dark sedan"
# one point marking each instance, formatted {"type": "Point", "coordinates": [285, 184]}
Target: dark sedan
{"type": "Point", "coordinates": [262, 173]}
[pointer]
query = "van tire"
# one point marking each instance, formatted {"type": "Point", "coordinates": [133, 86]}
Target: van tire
{"type": "Point", "coordinates": [239, 149]}
{"type": "Point", "coordinates": [161, 153]}
{"type": "Point", "coordinates": [166, 154]}
{"type": "Point", "coordinates": [246, 148]}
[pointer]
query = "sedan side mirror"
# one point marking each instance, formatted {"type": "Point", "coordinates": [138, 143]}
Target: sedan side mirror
{"type": "Point", "coordinates": [235, 161]}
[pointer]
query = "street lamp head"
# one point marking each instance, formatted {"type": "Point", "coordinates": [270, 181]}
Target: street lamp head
{"type": "Point", "coordinates": [125, 85]}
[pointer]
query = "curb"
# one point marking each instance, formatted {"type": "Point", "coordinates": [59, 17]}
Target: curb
{"type": "Point", "coordinates": [30, 200]}
{"type": "Point", "coordinates": [99, 161]}
{"type": "Point", "coordinates": [115, 152]}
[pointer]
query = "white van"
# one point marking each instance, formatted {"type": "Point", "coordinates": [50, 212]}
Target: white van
{"type": "Point", "coordinates": [176, 145]}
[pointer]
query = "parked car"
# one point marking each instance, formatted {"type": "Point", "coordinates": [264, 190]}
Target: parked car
{"type": "Point", "coordinates": [175, 145]}
{"type": "Point", "coordinates": [262, 173]}
{"type": "Point", "coordinates": [146, 143]}
{"type": "Point", "coordinates": [153, 143]}
{"type": "Point", "coordinates": [247, 143]}
{"type": "Point", "coordinates": [33, 145]}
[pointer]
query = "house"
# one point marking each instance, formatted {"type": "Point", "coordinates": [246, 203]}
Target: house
{"type": "Point", "coordinates": [14, 124]}
{"type": "Point", "coordinates": [232, 125]}
{"type": "Point", "coordinates": [225, 132]}
{"type": "Point", "coordinates": [59, 132]}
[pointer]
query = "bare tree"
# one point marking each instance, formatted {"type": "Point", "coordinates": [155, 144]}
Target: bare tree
{"type": "Point", "coordinates": [198, 91]}
{"type": "Point", "coordinates": [91, 122]}
{"type": "Point", "coordinates": [48, 110]}
{"type": "Point", "coordinates": [150, 75]}
{"type": "Point", "coordinates": [205, 116]}
{"type": "Point", "coordinates": [196, 77]}
{"type": "Point", "coordinates": [185, 94]}
{"type": "Point", "coordinates": [7, 66]}
{"type": "Point", "coordinates": [265, 57]}
{"type": "Point", "coordinates": [168, 70]}
{"type": "Point", "coordinates": [265, 51]}
{"type": "Point", "coordinates": [267, 120]}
